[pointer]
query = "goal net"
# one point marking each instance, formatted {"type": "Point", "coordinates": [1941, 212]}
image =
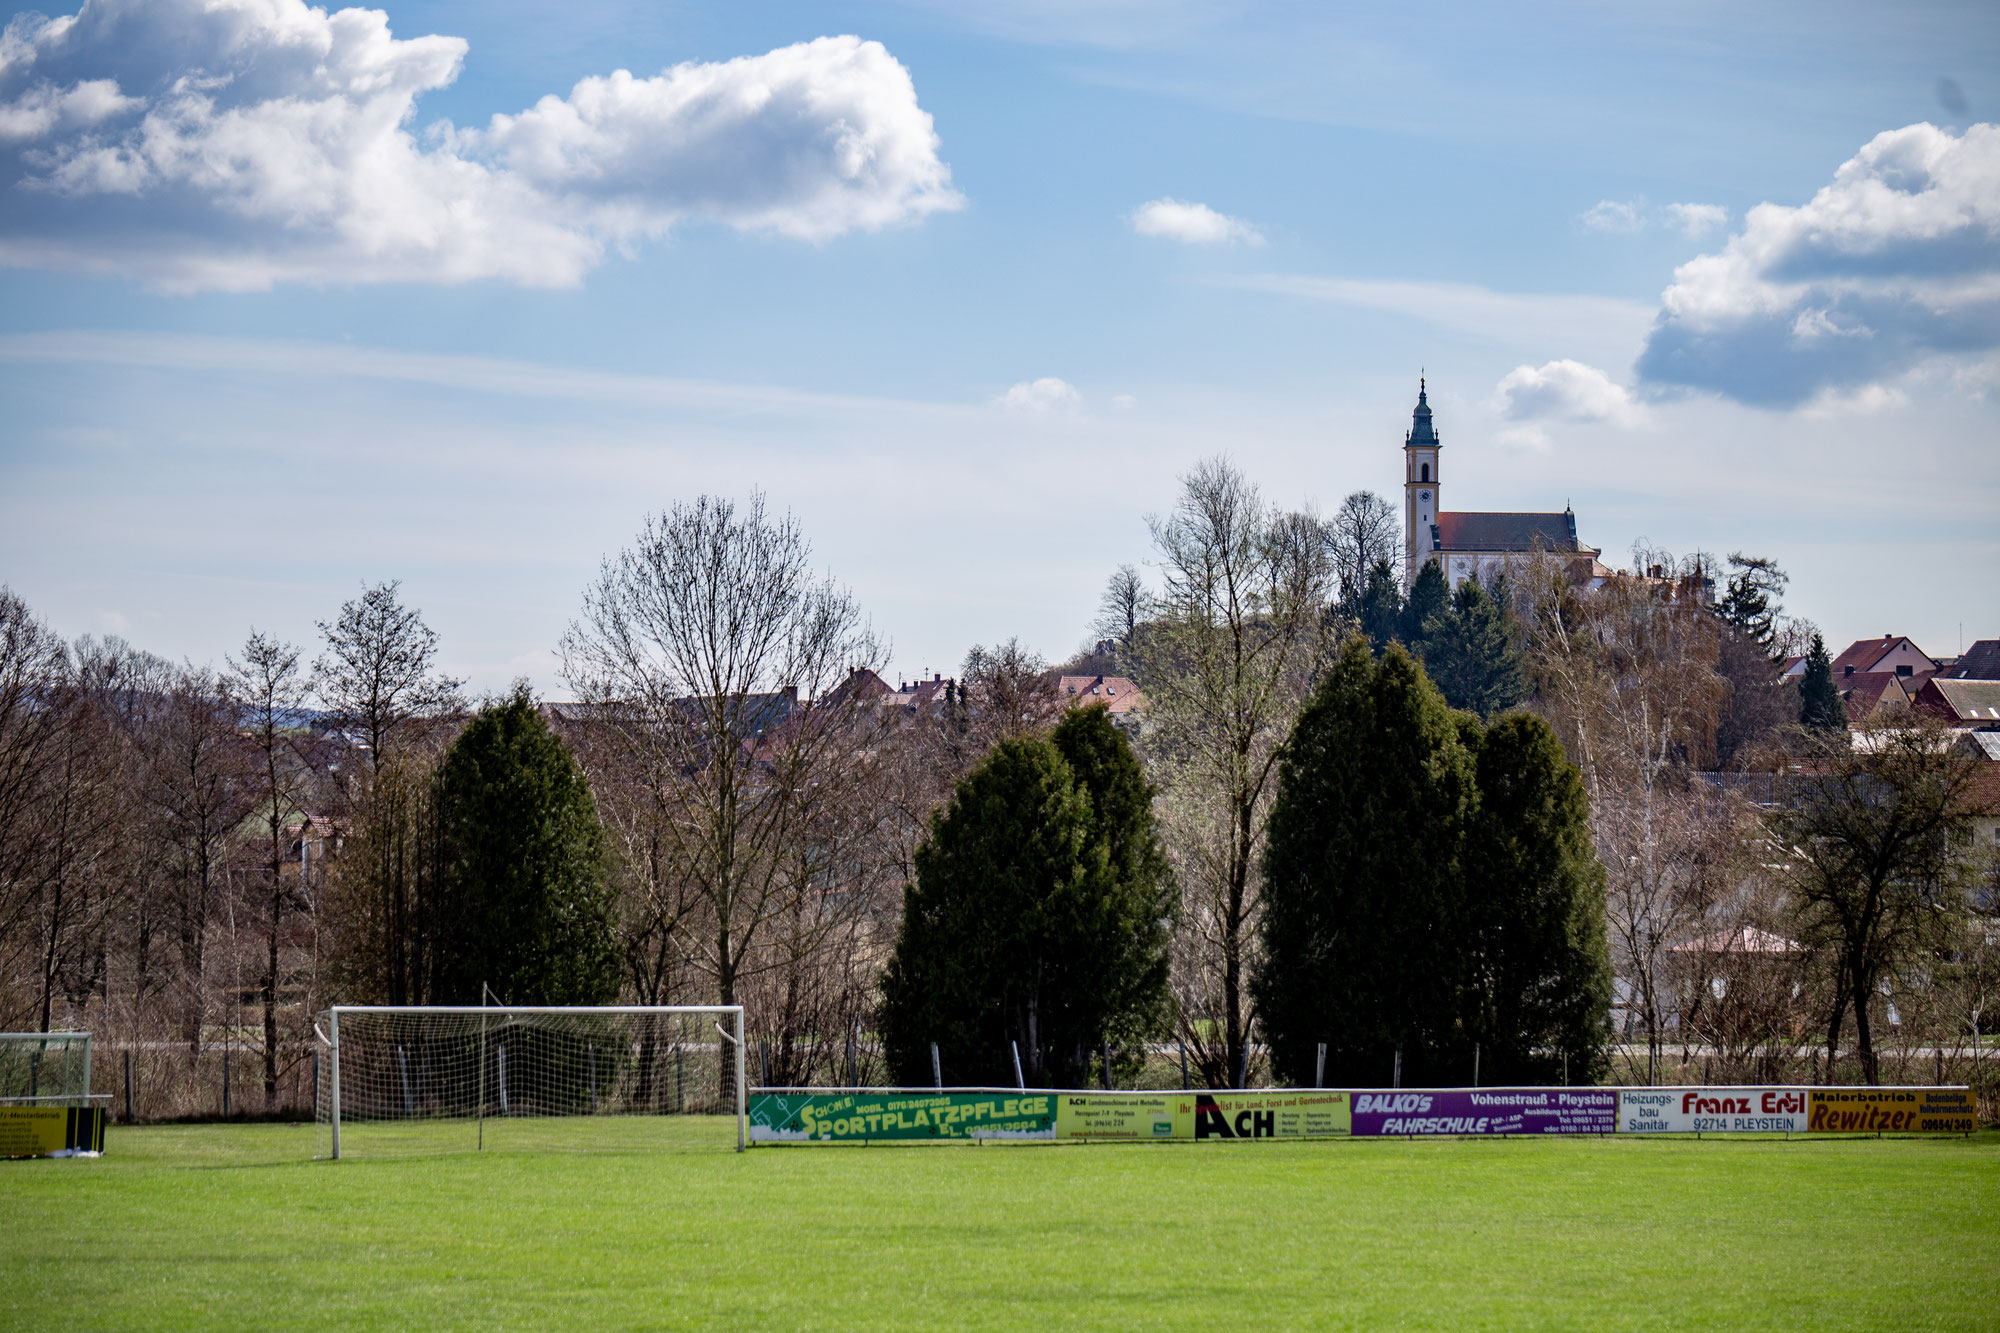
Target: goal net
{"type": "Point", "coordinates": [44, 1068]}
{"type": "Point", "coordinates": [431, 1079]}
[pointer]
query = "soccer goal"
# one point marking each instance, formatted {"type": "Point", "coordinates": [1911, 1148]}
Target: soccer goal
{"type": "Point", "coordinates": [46, 1106]}
{"type": "Point", "coordinates": [465, 1078]}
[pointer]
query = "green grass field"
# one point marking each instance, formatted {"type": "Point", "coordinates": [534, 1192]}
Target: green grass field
{"type": "Point", "coordinates": [234, 1227]}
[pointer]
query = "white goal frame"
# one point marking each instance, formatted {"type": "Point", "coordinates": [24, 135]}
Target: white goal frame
{"type": "Point", "coordinates": [78, 1098]}
{"type": "Point", "coordinates": [734, 1035]}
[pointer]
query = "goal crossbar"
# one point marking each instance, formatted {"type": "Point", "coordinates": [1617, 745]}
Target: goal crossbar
{"type": "Point", "coordinates": [733, 1034]}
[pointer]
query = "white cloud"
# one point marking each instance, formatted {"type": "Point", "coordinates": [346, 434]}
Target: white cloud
{"type": "Point", "coordinates": [1895, 263]}
{"type": "Point", "coordinates": [1124, 401]}
{"type": "Point", "coordinates": [1041, 396]}
{"type": "Point", "coordinates": [1697, 220]}
{"type": "Point", "coordinates": [1612, 216]}
{"type": "Point", "coordinates": [1563, 391]}
{"type": "Point", "coordinates": [237, 143]}
{"type": "Point", "coordinates": [1527, 320]}
{"type": "Point", "coordinates": [1621, 218]}
{"type": "Point", "coordinates": [1192, 224]}
{"type": "Point", "coordinates": [1525, 439]}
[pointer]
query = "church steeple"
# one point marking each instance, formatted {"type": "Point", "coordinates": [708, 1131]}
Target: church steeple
{"type": "Point", "coordinates": [1421, 495]}
{"type": "Point", "coordinates": [1421, 431]}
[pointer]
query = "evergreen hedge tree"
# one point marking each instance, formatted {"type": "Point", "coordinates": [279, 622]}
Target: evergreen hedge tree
{"type": "Point", "coordinates": [1539, 995]}
{"type": "Point", "coordinates": [1031, 919]}
{"type": "Point", "coordinates": [527, 907]}
{"type": "Point", "coordinates": [1363, 878]}
{"type": "Point", "coordinates": [1142, 899]}
{"type": "Point", "coordinates": [1820, 705]}
{"type": "Point", "coordinates": [1471, 656]}
{"type": "Point", "coordinates": [1429, 885]}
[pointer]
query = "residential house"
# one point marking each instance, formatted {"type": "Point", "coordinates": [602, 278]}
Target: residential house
{"type": "Point", "coordinates": [1979, 662]}
{"type": "Point", "coordinates": [1116, 693]}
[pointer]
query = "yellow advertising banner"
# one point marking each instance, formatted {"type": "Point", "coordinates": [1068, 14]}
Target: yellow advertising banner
{"type": "Point", "coordinates": [1299, 1113]}
{"type": "Point", "coordinates": [1200, 1116]}
{"type": "Point", "coordinates": [42, 1131]}
{"type": "Point", "coordinates": [1115, 1115]}
{"type": "Point", "coordinates": [1892, 1111]}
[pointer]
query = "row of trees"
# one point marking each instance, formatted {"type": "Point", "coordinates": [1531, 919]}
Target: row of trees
{"type": "Point", "coordinates": [1331, 795]}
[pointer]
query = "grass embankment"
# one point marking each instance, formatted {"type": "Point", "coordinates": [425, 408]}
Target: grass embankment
{"type": "Point", "coordinates": [233, 1227]}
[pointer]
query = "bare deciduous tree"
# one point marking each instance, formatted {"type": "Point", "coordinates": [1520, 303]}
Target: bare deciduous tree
{"type": "Point", "coordinates": [1241, 624]}
{"type": "Point", "coordinates": [270, 688]}
{"type": "Point", "coordinates": [1875, 839]}
{"type": "Point", "coordinates": [1007, 692]}
{"type": "Point", "coordinates": [1626, 675]}
{"type": "Point", "coordinates": [377, 676]}
{"type": "Point", "coordinates": [381, 690]}
{"type": "Point", "coordinates": [726, 671]}
{"type": "Point", "coordinates": [1363, 530]}
{"type": "Point", "coordinates": [1125, 606]}
{"type": "Point", "coordinates": [195, 783]}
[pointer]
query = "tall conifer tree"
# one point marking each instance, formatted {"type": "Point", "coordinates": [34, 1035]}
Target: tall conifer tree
{"type": "Point", "coordinates": [1539, 993]}
{"type": "Point", "coordinates": [1471, 656]}
{"type": "Point", "coordinates": [1429, 885]}
{"type": "Point", "coordinates": [1820, 706]}
{"type": "Point", "coordinates": [1363, 879]}
{"type": "Point", "coordinates": [527, 906]}
{"type": "Point", "coordinates": [1380, 609]}
{"type": "Point", "coordinates": [1429, 598]}
{"type": "Point", "coordinates": [1021, 927]}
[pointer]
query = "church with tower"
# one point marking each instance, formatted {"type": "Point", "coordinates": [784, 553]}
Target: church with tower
{"type": "Point", "coordinates": [1474, 545]}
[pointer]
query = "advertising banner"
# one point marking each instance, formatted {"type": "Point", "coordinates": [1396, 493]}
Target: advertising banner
{"type": "Point", "coordinates": [1892, 1111]}
{"type": "Point", "coordinates": [1486, 1111]}
{"type": "Point", "coordinates": [1300, 1113]}
{"type": "Point", "coordinates": [1712, 1110]}
{"type": "Point", "coordinates": [856, 1117]}
{"type": "Point", "coordinates": [1115, 1115]}
{"type": "Point", "coordinates": [1297, 1113]}
{"type": "Point", "coordinates": [50, 1131]}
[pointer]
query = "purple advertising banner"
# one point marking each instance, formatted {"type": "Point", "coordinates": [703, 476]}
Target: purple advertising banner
{"type": "Point", "coordinates": [1487, 1111]}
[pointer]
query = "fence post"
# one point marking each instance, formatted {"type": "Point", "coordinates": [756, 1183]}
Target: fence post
{"type": "Point", "coordinates": [1475, 1064]}
{"type": "Point", "coordinates": [1019, 1082]}
{"type": "Point", "coordinates": [225, 1081]}
{"type": "Point", "coordinates": [1243, 1064]}
{"type": "Point", "coordinates": [1184, 1068]}
{"type": "Point", "coordinates": [764, 1061]}
{"type": "Point", "coordinates": [853, 1065]}
{"type": "Point", "coordinates": [1319, 1074]}
{"type": "Point", "coordinates": [937, 1071]}
{"type": "Point", "coordinates": [315, 1085]}
{"type": "Point", "coordinates": [1107, 1066]}
{"type": "Point", "coordinates": [128, 1085]}
{"type": "Point", "coordinates": [1397, 1081]}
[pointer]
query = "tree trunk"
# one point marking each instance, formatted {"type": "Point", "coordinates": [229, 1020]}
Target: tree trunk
{"type": "Point", "coordinates": [271, 992]}
{"type": "Point", "coordinates": [1833, 1029]}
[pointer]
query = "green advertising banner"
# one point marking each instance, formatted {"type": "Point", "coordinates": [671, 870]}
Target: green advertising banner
{"type": "Point", "coordinates": [903, 1115]}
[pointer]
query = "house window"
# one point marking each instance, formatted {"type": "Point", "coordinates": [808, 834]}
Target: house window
{"type": "Point", "coordinates": [1905, 670]}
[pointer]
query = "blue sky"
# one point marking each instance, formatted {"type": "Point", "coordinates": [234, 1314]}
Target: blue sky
{"type": "Point", "coordinates": [283, 309]}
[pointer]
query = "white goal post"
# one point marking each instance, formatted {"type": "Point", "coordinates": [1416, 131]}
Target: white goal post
{"type": "Point", "coordinates": [418, 1077]}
